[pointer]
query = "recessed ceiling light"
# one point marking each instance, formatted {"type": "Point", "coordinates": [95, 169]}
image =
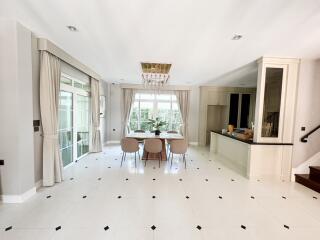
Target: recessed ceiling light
{"type": "Point", "coordinates": [236, 37]}
{"type": "Point", "coordinates": [72, 28]}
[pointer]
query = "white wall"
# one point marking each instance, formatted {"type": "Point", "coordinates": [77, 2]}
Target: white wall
{"type": "Point", "coordinates": [114, 113]}
{"type": "Point", "coordinates": [37, 136]}
{"type": "Point", "coordinates": [103, 121]}
{"type": "Point", "coordinates": [16, 109]}
{"type": "Point", "coordinates": [307, 111]}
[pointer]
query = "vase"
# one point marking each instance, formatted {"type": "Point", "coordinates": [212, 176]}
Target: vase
{"type": "Point", "coordinates": [157, 132]}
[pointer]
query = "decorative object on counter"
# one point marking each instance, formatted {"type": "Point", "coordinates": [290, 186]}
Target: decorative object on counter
{"type": "Point", "coordinates": [224, 131]}
{"type": "Point", "coordinates": [156, 124]}
{"type": "Point", "coordinates": [230, 128]}
{"type": "Point", "coordinates": [267, 129]}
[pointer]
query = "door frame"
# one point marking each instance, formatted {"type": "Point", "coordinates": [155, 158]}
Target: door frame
{"type": "Point", "coordinates": [75, 92]}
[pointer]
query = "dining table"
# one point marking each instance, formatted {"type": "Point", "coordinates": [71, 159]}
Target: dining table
{"type": "Point", "coordinates": [164, 136]}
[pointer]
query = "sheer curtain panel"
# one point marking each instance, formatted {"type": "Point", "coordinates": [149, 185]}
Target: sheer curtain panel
{"type": "Point", "coordinates": [96, 145]}
{"type": "Point", "coordinates": [183, 98]}
{"type": "Point", "coordinates": [128, 95]}
{"type": "Point", "coordinates": [50, 71]}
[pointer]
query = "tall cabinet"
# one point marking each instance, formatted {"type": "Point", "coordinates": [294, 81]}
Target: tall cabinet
{"type": "Point", "coordinates": [275, 99]}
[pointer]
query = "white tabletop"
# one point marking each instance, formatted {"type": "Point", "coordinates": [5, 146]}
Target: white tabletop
{"type": "Point", "coordinates": [163, 135]}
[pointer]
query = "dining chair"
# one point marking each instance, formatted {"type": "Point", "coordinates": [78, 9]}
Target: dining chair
{"type": "Point", "coordinates": [169, 141]}
{"type": "Point", "coordinates": [179, 147]}
{"type": "Point", "coordinates": [153, 146]}
{"type": "Point", "coordinates": [140, 140]}
{"type": "Point", "coordinates": [129, 145]}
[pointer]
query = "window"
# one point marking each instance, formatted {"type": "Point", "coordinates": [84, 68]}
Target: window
{"type": "Point", "coordinates": [149, 106]}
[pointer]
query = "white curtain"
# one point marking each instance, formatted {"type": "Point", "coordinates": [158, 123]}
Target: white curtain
{"type": "Point", "coordinates": [183, 98]}
{"type": "Point", "coordinates": [95, 143]}
{"type": "Point", "coordinates": [50, 71]}
{"type": "Point", "coordinates": [127, 102]}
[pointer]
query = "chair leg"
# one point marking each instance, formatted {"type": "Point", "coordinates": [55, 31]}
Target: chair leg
{"type": "Point", "coordinates": [145, 163]}
{"type": "Point", "coordinates": [171, 159]}
{"type": "Point", "coordinates": [185, 161]}
{"type": "Point", "coordinates": [135, 160]}
{"type": "Point", "coordinates": [160, 159]}
{"type": "Point", "coordinates": [122, 159]}
{"type": "Point", "coordinates": [139, 154]}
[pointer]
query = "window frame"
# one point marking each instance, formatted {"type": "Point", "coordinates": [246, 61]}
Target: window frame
{"type": "Point", "coordinates": [155, 107]}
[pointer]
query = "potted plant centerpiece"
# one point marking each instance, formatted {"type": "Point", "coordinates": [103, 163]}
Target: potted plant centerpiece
{"type": "Point", "coordinates": [156, 124]}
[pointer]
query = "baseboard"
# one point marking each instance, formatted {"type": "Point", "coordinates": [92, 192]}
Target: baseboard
{"type": "Point", "coordinates": [193, 143]}
{"type": "Point", "coordinates": [112, 142]}
{"type": "Point", "coordinates": [18, 198]}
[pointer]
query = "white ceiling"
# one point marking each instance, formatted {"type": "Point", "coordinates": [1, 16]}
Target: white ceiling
{"type": "Point", "coordinates": [194, 35]}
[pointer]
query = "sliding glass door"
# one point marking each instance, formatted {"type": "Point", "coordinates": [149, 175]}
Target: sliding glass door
{"type": "Point", "coordinates": [74, 119]}
{"type": "Point", "coordinates": [66, 127]}
{"type": "Point", "coordinates": [82, 125]}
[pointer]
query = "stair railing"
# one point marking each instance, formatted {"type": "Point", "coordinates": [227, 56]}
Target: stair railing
{"type": "Point", "coordinates": [304, 138]}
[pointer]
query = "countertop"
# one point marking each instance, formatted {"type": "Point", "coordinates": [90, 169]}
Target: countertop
{"type": "Point", "coordinates": [248, 141]}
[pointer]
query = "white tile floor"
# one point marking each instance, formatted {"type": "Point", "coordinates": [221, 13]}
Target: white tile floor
{"type": "Point", "coordinates": [224, 204]}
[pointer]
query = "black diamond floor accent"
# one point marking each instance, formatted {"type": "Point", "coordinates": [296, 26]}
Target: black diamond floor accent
{"type": "Point", "coordinates": [206, 179]}
{"type": "Point", "coordinates": [48, 196]}
{"type": "Point", "coordinates": [71, 178]}
{"type": "Point", "coordinates": [199, 227]}
{"type": "Point", "coordinates": [109, 167]}
{"type": "Point", "coordinates": [284, 197]}
{"type": "Point", "coordinates": [198, 168]}
{"type": "Point", "coordinates": [153, 196]}
{"type": "Point", "coordinates": [220, 197]}
{"type": "Point", "coordinates": [84, 196]}
{"type": "Point", "coordinates": [106, 228]}
{"type": "Point", "coordinates": [187, 197]}
{"type": "Point", "coordinates": [219, 168]}
{"type": "Point", "coordinates": [153, 179]}
{"type": "Point", "coordinates": [119, 197]}
{"type": "Point", "coordinates": [86, 166]}
{"type": "Point", "coordinates": [286, 226]}
{"type": "Point", "coordinates": [243, 227]}
{"type": "Point", "coordinates": [180, 179]}
{"type": "Point", "coordinates": [58, 228]}
{"type": "Point", "coordinates": [153, 227]}
{"type": "Point", "coordinates": [252, 197]}
{"type": "Point", "coordinates": [76, 160]}
{"type": "Point", "coordinates": [127, 179]}
{"type": "Point", "coordinates": [232, 180]}
{"type": "Point", "coordinates": [99, 178]}
{"type": "Point", "coordinates": [8, 228]}
{"type": "Point", "coordinates": [258, 180]}
{"type": "Point", "coordinates": [314, 197]}
{"type": "Point", "coordinates": [154, 167]}
{"type": "Point", "coordinates": [116, 159]}
{"type": "Point", "coordinates": [96, 158]}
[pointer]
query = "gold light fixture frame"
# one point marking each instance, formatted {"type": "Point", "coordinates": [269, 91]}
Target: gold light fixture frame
{"type": "Point", "coordinates": [155, 74]}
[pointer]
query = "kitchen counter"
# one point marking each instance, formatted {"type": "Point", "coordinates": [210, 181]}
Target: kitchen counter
{"type": "Point", "coordinates": [248, 141]}
{"type": "Point", "coordinates": [251, 159]}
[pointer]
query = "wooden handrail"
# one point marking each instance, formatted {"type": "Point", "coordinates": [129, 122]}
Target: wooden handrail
{"type": "Point", "coordinates": [305, 137]}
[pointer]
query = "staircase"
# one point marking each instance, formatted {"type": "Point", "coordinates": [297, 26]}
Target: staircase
{"type": "Point", "coordinates": [311, 180]}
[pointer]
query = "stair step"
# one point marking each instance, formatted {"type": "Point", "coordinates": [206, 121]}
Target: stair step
{"type": "Point", "coordinates": [315, 173]}
{"type": "Point", "coordinates": [306, 181]}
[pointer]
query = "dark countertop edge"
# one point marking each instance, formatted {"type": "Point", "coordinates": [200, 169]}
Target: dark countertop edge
{"type": "Point", "coordinates": [250, 141]}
